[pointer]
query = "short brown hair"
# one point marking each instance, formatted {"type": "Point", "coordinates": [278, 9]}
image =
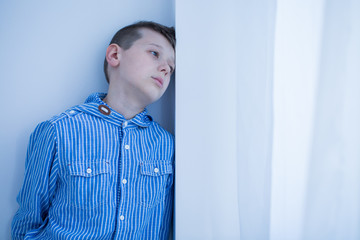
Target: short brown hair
{"type": "Point", "coordinates": [126, 36]}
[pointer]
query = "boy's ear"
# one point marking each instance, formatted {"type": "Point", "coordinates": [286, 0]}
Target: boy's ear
{"type": "Point", "coordinates": [113, 54]}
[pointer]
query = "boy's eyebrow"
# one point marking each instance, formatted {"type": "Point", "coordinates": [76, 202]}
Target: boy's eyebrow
{"type": "Point", "coordinates": [156, 45]}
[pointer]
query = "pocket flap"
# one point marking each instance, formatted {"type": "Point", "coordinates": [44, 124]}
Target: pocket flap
{"type": "Point", "coordinates": [89, 169]}
{"type": "Point", "coordinates": [156, 168]}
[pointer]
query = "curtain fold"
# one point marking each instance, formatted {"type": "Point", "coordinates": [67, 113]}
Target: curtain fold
{"type": "Point", "coordinates": [333, 197]}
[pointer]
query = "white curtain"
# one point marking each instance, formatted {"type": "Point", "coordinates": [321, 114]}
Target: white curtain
{"type": "Point", "coordinates": [268, 119]}
{"type": "Point", "coordinates": [332, 209]}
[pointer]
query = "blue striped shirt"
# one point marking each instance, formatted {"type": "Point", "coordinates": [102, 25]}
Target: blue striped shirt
{"type": "Point", "coordinates": [92, 174]}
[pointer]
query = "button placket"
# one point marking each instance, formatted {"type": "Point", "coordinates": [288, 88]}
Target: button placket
{"type": "Point", "coordinates": [124, 181]}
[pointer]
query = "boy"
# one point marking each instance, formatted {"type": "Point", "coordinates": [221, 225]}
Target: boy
{"type": "Point", "coordinates": [104, 169]}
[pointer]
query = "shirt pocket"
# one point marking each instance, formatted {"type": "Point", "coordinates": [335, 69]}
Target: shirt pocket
{"type": "Point", "coordinates": [154, 177]}
{"type": "Point", "coordinates": [90, 184]}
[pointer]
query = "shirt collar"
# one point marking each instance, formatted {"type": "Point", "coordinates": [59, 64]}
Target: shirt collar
{"type": "Point", "coordinates": [95, 105]}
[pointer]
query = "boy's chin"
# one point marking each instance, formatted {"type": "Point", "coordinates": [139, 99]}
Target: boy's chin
{"type": "Point", "coordinates": [153, 98]}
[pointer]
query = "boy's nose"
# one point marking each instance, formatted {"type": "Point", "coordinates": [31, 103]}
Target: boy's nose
{"type": "Point", "coordinates": [164, 68]}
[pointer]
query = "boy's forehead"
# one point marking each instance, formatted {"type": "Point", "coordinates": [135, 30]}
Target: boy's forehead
{"type": "Point", "coordinates": [154, 38]}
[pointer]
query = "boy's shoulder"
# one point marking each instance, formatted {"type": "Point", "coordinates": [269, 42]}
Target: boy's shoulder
{"type": "Point", "coordinates": [157, 127]}
{"type": "Point", "coordinates": [48, 126]}
{"type": "Point", "coordinates": [68, 114]}
{"type": "Point", "coordinates": [65, 115]}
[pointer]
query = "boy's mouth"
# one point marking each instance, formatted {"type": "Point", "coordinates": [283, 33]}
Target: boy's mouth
{"type": "Point", "coordinates": [159, 81]}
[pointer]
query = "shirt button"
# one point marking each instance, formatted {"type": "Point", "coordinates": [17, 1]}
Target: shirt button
{"type": "Point", "coordinates": [124, 181]}
{"type": "Point", "coordinates": [104, 110]}
{"type": "Point", "coordinates": [127, 146]}
{"type": "Point", "coordinates": [72, 112]}
{"type": "Point", "coordinates": [125, 124]}
{"type": "Point", "coordinates": [156, 170]}
{"type": "Point", "coordinates": [88, 170]}
{"type": "Point", "coordinates": [122, 217]}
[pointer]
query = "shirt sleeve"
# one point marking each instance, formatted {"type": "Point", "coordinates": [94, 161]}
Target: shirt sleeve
{"type": "Point", "coordinates": [39, 182]}
{"type": "Point", "coordinates": [167, 216]}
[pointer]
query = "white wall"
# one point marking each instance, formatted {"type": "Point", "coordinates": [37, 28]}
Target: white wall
{"type": "Point", "coordinates": [206, 120]}
{"type": "Point", "coordinates": [51, 59]}
{"type": "Point", "coordinates": [223, 119]}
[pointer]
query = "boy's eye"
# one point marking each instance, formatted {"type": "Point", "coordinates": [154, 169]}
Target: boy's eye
{"type": "Point", "coordinates": [156, 54]}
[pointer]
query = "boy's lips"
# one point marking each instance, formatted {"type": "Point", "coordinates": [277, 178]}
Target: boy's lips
{"type": "Point", "coordinates": [159, 81]}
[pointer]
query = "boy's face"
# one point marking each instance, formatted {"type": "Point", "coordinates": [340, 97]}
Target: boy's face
{"type": "Point", "coordinates": [145, 68]}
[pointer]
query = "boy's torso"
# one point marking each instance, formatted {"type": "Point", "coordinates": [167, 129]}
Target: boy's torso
{"type": "Point", "coordinates": [112, 173]}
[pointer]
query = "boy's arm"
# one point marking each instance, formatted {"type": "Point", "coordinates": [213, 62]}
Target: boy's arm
{"type": "Point", "coordinates": [167, 215]}
{"type": "Point", "coordinates": [39, 182]}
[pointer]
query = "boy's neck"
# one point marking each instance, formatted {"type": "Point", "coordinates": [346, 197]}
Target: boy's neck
{"type": "Point", "coordinates": [121, 104]}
